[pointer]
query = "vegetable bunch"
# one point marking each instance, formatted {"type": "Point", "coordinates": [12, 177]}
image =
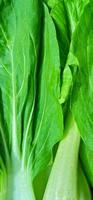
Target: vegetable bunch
{"type": "Point", "coordinates": [46, 99]}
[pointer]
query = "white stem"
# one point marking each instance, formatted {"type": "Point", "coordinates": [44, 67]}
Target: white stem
{"type": "Point", "coordinates": [19, 186]}
{"type": "Point", "coordinates": [62, 184]}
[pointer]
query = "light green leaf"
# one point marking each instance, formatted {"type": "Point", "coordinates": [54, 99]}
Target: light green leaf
{"type": "Point", "coordinates": [66, 84]}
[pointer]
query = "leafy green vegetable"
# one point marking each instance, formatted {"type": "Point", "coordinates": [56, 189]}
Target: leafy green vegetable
{"type": "Point", "coordinates": [48, 124]}
{"type": "Point", "coordinates": [79, 62]}
{"type": "Point", "coordinates": [46, 99]}
{"type": "Point", "coordinates": [82, 100]}
{"type": "Point", "coordinates": [59, 15]}
{"type": "Point", "coordinates": [30, 90]}
{"type": "Point", "coordinates": [19, 45]}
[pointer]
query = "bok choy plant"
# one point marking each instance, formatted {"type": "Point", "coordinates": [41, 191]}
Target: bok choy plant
{"type": "Point", "coordinates": [46, 99]}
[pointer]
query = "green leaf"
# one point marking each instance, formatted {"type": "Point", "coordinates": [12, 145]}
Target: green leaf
{"type": "Point", "coordinates": [82, 98]}
{"type": "Point", "coordinates": [19, 42]}
{"type": "Point", "coordinates": [39, 186]}
{"type": "Point", "coordinates": [59, 15]}
{"type": "Point", "coordinates": [48, 118]}
{"type": "Point", "coordinates": [83, 187]}
{"type": "Point", "coordinates": [74, 10]}
{"type": "Point", "coordinates": [3, 185]}
{"type": "Point", "coordinates": [87, 161]}
{"type": "Point", "coordinates": [66, 84]}
{"type": "Point", "coordinates": [66, 14]}
{"type": "Point", "coordinates": [20, 26]}
{"type": "Point", "coordinates": [51, 3]}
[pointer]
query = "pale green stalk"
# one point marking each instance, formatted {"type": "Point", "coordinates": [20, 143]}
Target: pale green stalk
{"type": "Point", "coordinates": [62, 184]}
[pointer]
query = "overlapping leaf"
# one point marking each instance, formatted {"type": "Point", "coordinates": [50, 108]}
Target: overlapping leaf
{"type": "Point", "coordinates": [48, 125]}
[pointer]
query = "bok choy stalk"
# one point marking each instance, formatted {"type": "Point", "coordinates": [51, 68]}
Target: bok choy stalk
{"type": "Point", "coordinates": [62, 183]}
{"type": "Point", "coordinates": [29, 95]}
{"type": "Point", "coordinates": [46, 72]}
{"type": "Point", "coordinates": [76, 89]}
{"type": "Point", "coordinates": [19, 45]}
